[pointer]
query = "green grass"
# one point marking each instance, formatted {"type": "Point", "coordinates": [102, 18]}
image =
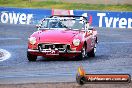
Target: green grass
{"type": "Point", "coordinates": [63, 5]}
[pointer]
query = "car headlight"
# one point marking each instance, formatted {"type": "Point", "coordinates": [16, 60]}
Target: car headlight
{"type": "Point", "coordinates": [76, 42]}
{"type": "Point", "coordinates": [32, 40]}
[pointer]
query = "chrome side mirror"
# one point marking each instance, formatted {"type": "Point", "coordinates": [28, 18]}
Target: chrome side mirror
{"type": "Point", "coordinates": [38, 26]}
{"type": "Point", "coordinates": [90, 29]}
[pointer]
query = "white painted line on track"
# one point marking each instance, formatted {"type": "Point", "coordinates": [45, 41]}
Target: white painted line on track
{"type": "Point", "coordinates": [6, 55]}
{"type": "Point", "coordinates": [9, 38]}
{"type": "Point", "coordinates": [115, 42]}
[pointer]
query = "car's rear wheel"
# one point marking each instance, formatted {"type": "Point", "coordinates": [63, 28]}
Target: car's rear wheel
{"type": "Point", "coordinates": [92, 52]}
{"type": "Point", "coordinates": [83, 53]}
{"type": "Point", "coordinates": [31, 57]}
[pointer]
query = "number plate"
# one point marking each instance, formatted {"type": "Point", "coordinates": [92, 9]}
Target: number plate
{"type": "Point", "coordinates": [53, 52]}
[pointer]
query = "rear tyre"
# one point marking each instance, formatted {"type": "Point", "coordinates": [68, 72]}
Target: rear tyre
{"type": "Point", "coordinates": [31, 57]}
{"type": "Point", "coordinates": [92, 52]}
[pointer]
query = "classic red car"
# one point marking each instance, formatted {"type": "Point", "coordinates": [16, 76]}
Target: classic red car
{"type": "Point", "coordinates": [63, 36]}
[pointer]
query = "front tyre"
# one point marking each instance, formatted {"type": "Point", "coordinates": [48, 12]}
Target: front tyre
{"type": "Point", "coordinates": [92, 52]}
{"type": "Point", "coordinates": [31, 57]}
{"type": "Point", "coordinates": [82, 55]}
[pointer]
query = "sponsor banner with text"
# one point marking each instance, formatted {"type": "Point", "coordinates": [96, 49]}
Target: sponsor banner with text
{"type": "Point", "coordinates": [107, 19]}
{"type": "Point", "coordinates": [96, 18]}
{"type": "Point", "coordinates": [22, 16]}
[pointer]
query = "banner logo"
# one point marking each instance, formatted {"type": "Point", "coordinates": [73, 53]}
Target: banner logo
{"type": "Point", "coordinates": [114, 22]}
{"type": "Point", "coordinates": [15, 18]}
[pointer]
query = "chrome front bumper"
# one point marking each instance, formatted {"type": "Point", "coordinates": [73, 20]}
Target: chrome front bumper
{"type": "Point", "coordinates": [47, 50]}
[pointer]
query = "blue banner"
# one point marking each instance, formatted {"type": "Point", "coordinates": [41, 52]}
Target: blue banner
{"type": "Point", "coordinates": [107, 18]}
{"type": "Point", "coordinates": [96, 18]}
{"type": "Point", "coordinates": [22, 16]}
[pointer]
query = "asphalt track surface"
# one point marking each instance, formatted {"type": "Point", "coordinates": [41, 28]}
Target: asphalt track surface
{"type": "Point", "coordinates": [114, 55]}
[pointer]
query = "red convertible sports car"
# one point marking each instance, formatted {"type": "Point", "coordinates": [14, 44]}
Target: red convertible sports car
{"type": "Point", "coordinates": [63, 36]}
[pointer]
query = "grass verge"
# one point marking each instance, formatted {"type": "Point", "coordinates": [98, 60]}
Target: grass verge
{"type": "Point", "coordinates": [63, 5]}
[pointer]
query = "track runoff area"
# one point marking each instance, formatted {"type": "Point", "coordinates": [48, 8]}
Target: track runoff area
{"type": "Point", "coordinates": [114, 53]}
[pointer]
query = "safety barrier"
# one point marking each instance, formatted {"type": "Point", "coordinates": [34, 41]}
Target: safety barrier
{"type": "Point", "coordinates": [96, 18]}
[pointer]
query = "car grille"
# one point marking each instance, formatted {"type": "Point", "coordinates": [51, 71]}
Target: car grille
{"type": "Point", "coordinates": [60, 47]}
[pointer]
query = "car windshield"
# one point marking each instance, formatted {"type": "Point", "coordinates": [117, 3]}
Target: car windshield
{"type": "Point", "coordinates": [63, 23]}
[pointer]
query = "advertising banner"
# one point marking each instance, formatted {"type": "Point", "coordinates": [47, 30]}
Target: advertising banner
{"type": "Point", "coordinates": [96, 18]}
{"type": "Point", "coordinates": [22, 16]}
{"type": "Point", "coordinates": [107, 19]}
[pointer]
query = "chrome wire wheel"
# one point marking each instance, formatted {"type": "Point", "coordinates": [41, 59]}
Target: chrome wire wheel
{"type": "Point", "coordinates": [95, 49]}
{"type": "Point", "coordinates": [83, 52]}
{"type": "Point", "coordinates": [92, 52]}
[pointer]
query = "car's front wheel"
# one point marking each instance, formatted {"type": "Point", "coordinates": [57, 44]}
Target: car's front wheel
{"type": "Point", "coordinates": [83, 53]}
{"type": "Point", "coordinates": [92, 52]}
{"type": "Point", "coordinates": [31, 57]}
